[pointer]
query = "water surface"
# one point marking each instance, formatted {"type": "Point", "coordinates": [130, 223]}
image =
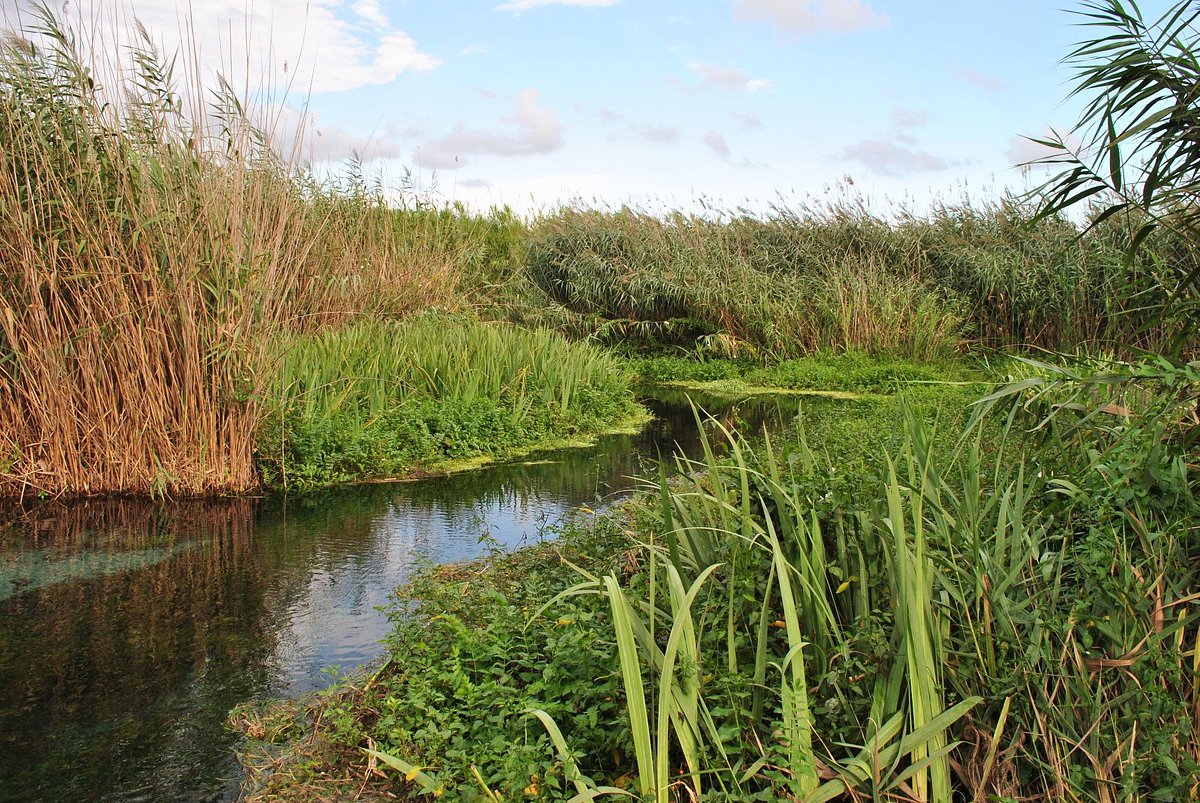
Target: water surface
{"type": "Point", "coordinates": [129, 629]}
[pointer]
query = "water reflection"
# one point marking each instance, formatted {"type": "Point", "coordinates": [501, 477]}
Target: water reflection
{"type": "Point", "coordinates": [129, 629]}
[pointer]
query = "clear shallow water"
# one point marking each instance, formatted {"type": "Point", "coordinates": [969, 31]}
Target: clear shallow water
{"type": "Point", "coordinates": [129, 629]}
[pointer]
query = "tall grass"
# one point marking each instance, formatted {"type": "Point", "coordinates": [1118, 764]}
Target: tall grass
{"type": "Point", "coordinates": [148, 247]}
{"type": "Point", "coordinates": [378, 397]}
{"type": "Point", "coordinates": [924, 616]}
{"type": "Point", "coordinates": [840, 277]}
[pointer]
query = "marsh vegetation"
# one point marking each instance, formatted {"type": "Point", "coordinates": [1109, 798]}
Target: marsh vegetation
{"type": "Point", "coordinates": [967, 572]}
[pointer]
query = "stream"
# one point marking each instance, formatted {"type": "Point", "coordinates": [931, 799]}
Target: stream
{"type": "Point", "coordinates": [129, 629]}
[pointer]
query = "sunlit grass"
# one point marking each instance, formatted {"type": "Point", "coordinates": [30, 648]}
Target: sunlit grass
{"type": "Point", "coordinates": [378, 398]}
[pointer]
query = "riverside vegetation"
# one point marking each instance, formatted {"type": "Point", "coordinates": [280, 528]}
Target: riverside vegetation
{"type": "Point", "coordinates": [969, 576]}
{"type": "Point", "coordinates": [167, 237]}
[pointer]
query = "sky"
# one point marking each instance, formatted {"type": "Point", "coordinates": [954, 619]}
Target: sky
{"type": "Point", "coordinates": [657, 103]}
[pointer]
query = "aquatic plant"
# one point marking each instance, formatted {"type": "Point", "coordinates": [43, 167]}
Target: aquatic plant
{"type": "Point", "coordinates": [152, 243]}
{"type": "Point", "coordinates": [378, 398]}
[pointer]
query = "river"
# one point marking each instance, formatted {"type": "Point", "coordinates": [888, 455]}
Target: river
{"type": "Point", "coordinates": [129, 629]}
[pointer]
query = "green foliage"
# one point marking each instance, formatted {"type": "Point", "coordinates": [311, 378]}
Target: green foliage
{"type": "Point", "coordinates": [840, 278]}
{"type": "Point", "coordinates": [476, 663]}
{"type": "Point", "coordinates": [776, 287]}
{"type": "Point", "coordinates": [380, 398]}
{"type": "Point", "coordinates": [848, 372]}
{"type": "Point", "coordinates": [923, 614]}
{"type": "Point", "coordinates": [1138, 155]}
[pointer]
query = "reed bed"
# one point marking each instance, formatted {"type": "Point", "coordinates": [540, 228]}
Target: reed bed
{"type": "Point", "coordinates": [806, 279]}
{"type": "Point", "coordinates": [148, 250]}
{"type": "Point", "coordinates": [379, 397]}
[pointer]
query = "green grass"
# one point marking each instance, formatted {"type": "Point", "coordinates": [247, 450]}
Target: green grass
{"type": "Point", "coordinates": [919, 614]}
{"type": "Point", "coordinates": [801, 280]}
{"type": "Point", "coordinates": [382, 398]}
{"type": "Point", "coordinates": [850, 372]}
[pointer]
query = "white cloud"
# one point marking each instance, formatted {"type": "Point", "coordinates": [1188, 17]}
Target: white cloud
{"type": "Point", "coordinates": [985, 82]}
{"type": "Point", "coordinates": [717, 142]}
{"type": "Point", "coordinates": [1023, 150]}
{"type": "Point", "coordinates": [904, 117]}
{"type": "Point", "coordinates": [299, 138]}
{"type": "Point", "coordinates": [889, 159]}
{"type": "Point", "coordinates": [320, 45]}
{"type": "Point", "coordinates": [537, 193]}
{"type": "Point", "coordinates": [746, 121]}
{"type": "Point", "coordinates": [648, 132]}
{"type": "Point", "coordinates": [371, 12]}
{"type": "Point", "coordinates": [811, 16]}
{"type": "Point", "coordinates": [734, 79]}
{"type": "Point", "coordinates": [525, 5]}
{"type": "Point", "coordinates": [658, 133]}
{"type": "Point", "coordinates": [538, 130]}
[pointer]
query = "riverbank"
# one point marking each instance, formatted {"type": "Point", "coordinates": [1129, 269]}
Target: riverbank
{"type": "Point", "coordinates": [953, 582]}
{"type": "Point", "coordinates": [130, 627]}
{"type": "Point", "coordinates": [141, 354]}
{"type": "Point", "coordinates": [434, 393]}
{"type": "Point", "coordinates": [494, 635]}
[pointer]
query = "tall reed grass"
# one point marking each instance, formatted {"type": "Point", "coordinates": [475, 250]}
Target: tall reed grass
{"type": "Point", "coordinates": [149, 246]}
{"type": "Point", "coordinates": [1039, 607]}
{"type": "Point", "coordinates": [840, 277]}
{"type": "Point", "coordinates": [379, 397]}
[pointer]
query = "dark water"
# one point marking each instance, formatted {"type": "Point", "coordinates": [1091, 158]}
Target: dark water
{"type": "Point", "coordinates": [129, 629]}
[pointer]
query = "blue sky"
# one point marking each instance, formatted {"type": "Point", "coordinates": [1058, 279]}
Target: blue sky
{"type": "Point", "coordinates": [659, 102]}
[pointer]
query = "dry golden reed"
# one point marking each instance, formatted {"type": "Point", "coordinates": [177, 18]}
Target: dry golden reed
{"type": "Point", "coordinates": [147, 255]}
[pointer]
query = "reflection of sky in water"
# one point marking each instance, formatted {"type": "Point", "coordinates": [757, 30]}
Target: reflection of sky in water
{"type": "Point", "coordinates": [365, 541]}
{"type": "Point", "coordinates": [128, 630]}
{"type": "Point", "coordinates": [30, 569]}
{"type": "Point", "coordinates": [335, 618]}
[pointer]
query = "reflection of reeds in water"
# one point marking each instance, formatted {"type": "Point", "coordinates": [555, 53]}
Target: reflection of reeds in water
{"type": "Point", "coordinates": [96, 625]}
{"type": "Point", "coordinates": [146, 660]}
{"type": "Point", "coordinates": [87, 547]}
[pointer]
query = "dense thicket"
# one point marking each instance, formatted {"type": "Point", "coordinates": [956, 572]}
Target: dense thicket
{"type": "Point", "coordinates": [794, 282]}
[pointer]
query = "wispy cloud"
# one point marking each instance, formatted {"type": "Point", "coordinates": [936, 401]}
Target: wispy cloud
{"type": "Point", "coordinates": [634, 129]}
{"type": "Point", "coordinates": [525, 5]}
{"type": "Point", "coordinates": [1024, 150]}
{"type": "Point", "coordinates": [326, 46]}
{"type": "Point", "coordinates": [746, 121]}
{"type": "Point", "coordinates": [372, 12]}
{"type": "Point", "coordinates": [985, 82]}
{"type": "Point", "coordinates": [537, 130]}
{"type": "Point", "coordinates": [716, 141]}
{"type": "Point", "coordinates": [904, 117]}
{"type": "Point", "coordinates": [811, 16]}
{"type": "Point", "coordinates": [658, 133]}
{"type": "Point", "coordinates": [889, 159]}
{"type": "Point", "coordinates": [732, 79]}
{"type": "Point", "coordinates": [298, 137]}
